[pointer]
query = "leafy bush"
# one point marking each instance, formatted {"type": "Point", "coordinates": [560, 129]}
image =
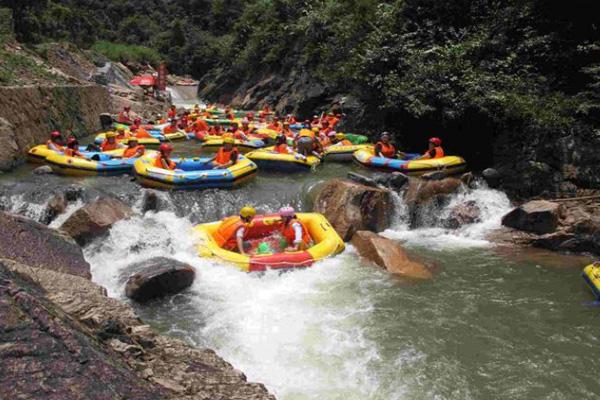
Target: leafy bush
{"type": "Point", "coordinates": [127, 52]}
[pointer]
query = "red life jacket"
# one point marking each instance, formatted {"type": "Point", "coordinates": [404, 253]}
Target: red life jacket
{"type": "Point", "coordinates": [287, 231]}
{"type": "Point", "coordinates": [387, 150]}
{"type": "Point", "coordinates": [224, 156]}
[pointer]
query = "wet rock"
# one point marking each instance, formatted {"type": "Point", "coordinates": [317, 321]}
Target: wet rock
{"type": "Point", "coordinates": [420, 191]}
{"type": "Point", "coordinates": [158, 277]}
{"type": "Point", "coordinates": [43, 170]}
{"type": "Point", "coordinates": [55, 206]}
{"type": "Point", "coordinates": [538, 216]}
{"type": "Point", "coordinates": [8, 144]}
{"type": "Point", "coordinates": [95, 219]}
{"type": "Point", "coordinates": [106, 121]}
{"type": "Point", "coordinates": [363, 180]}
{"type": "Point", "coordinates": [150, 201]}
{"type": "Point", "coordinates": [434, 176]}
{"type": "Point", "coordinates": [36, 245]}
{"type": "Point", "coordinates": [463, 214]}
{"type": "Point", "coordinates": [389, 255]}
{"type": "Point", "coordinates": [394, 180]}
{"type": "Point", "coordinates": [468, 179]}
{"type": "Point", "coordinates": [46, 354]}
{"type": "Point", "coordinates": [350, 207]}
{"type": "Point", "coordinates": [492, 177]}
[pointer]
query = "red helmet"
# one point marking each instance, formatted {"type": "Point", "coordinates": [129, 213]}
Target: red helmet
{"type": "Point", "coordinates": [165, 148]}
{"type": "Point", "coordinates": [436, 141]}
{"type": "Point", "coordinates": [55, 134]}
{"type": "Point", "coordinates": [71, 140]}
{"type": "Point", "coordinates": [137, 121]}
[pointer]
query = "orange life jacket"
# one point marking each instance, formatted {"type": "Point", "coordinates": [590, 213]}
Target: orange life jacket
{"type": "Point", "coordinates": [274, 126]}
{"type": "Point", "coordinates": [200, 125]}
{"type": "Point", "coordinates": [387, 150]}
{"type": "Point", "coordinates": [105, 146]}
{"type": "Point", "coordinates": [158, 162]}
{"type": "Point", "coordinates": [282, 148]}
{"type": "Point", "coordinates": [50, 143]}
{"type": "Point", "coordinates": [141, 133]}
{"type": "Point", "coordinates": [225, 234]}
{"type": "Point", "coordinates": [170, 129]}
{"type": "Point", "coordinates": [72, 152]}
{"type": "Point", "coordinates": [439, 152]}
{"type": "Point", "coordinates": [123, 117]}
{"type": "Point", "coordinates": [132, 151]}
{"type": "Point", "coordinates": [287, 231]}
{"type": "Point", "coordinates": [345, 142]}
{"type": "Point", "coordinates": [172, 113]}
{"type": "Point", "coordinates": [239, 135]}
{"type": "Point", "coordinates": [224, 156]}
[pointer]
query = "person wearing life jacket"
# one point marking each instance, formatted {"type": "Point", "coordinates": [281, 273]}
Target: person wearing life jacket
{"type": "Point", "coordinates": [435, 149]}
{"type": "Point", "coordinates": [55, 142]}
{"type": "Point", "coordinates": [275, 125]}
{"type": "Point", "coordinates": [138, 131]}
{"type": "Point", "coordinates": [384, 148]}
{"type": "Point", "coordinates": [340, 140]}
{"type": "Point", "coordinates": [215, 130]}
{"type": "Point", "coordinates": [163, 159]}
{"type": "Point", "coordinates": [133, 150]}
{"type": "Point", "coordinates": [184, 121]}
{"type": "Point", "coordinates": [171, 128]}
{"type": "Point", "coordinates": [285, 130]}
{"type": "Point", "coordinates": [172, 113]}
{"type": "Point", "coordinates": [227, 155]}
{"type": "Point", "coordinates": [124, 116]}
{"type": "Point", "coordinates": [197, 110]}
{"type": "Point", "coordinates": [290, 119]}
{"type": "Point", "coordinates": [246, 127]}
{"type": "Point", "coordinates": [250, 116]}
{"type": "Point", "coordinates": [281, 145]}
{"type": "Point", "coordinates": [237, 133]}
{"type": "Point", "coordinates": [325, 128]}
{"type": "Point", "coordinates": [315, 122]}
{"type": "Point", "coordinates": [110, 142]}
{"type": "Point", "coordinates": [233, 231]}
{"type": "Point", "coordinates": [121, 134]}
{"type": "Point", "coordinates": [72, 149]}
{"type": "Point", "coordinates": [293, 230]}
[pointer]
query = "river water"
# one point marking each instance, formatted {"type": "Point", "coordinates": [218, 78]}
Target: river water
{"type": "Point", "coordinates": [494, 323]}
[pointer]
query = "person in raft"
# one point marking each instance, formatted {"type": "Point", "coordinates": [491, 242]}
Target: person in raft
{"type": "Point", "coordinates": [172, 113]}
{"type": "Point", "coordinates": [434, 151]}
{"type": "Point", "coordinates": [294, 233]}
{"type": "Point", "coordinates": [384, 148]}
{"type": "Point", "coordinates": [281, 145]}
{"type": "Point", "coordinates": [134, 149]}
{"type": "Point", "coordinates": [163, 160]}
{"type": "Point", "coordinates": [110, 142]}
{"type": "Point", "coordinates": [340, 140]}
{"type": "Point", "coordinates": [55, 142]}
{"type": "Point", "coordinates": [124, 116]}
{"type": "Point", "coordinates": [227, 155]}
{"type": "Point", "coordinates": [233, 231]}
{"type": "Point", "coordinates": [121, 134]}
{"type": "Point", "coordinates": [72, 149]}
{"type": "Point", "coordinates": [171, 128]}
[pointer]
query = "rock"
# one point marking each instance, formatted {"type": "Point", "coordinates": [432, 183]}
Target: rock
{"type": "Point", "coordinates": [394, 180]}
{"type": "Point", "coordinates": [36, 245]}
{"type": "Point", "coordinates": [106, 121]}
{"type": "Point", "coordinates": [158, 277]}
{"type": "Point", "coordinates": [55, 206]}
{"type": "Point", "coordinates": [363, 180]}
{"type": "Point", "coordinates": [150, 201]}
{"type": "Point", "coordinates": [468, 179]}
{"type": "Point", "coordinates": [95, 219]}
{"type": "Point", "coordinates": [492, 177]}
{"type": "Point", "coordinates": [46, 354]}
{"type": "Point", "coordinates": [389, 255]}
{"type": "Point", "coordinates": [43, 170]}
{"type": "Point", "coordinates": [421, 191]}
{"type": "Point", "coordinates": [463, 214]}
{"type": "Point", "coordinates": [434, 176]}
{"type": "Point", "coordinates": [350, 207]}
{"type": "Point", "coordinates": [9, 145]}
{"type": "Point", "coordinates": [538, 216]}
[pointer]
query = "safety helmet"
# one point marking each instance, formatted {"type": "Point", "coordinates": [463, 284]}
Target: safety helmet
{"type": "Point", "coordinates": [247, 212]}
{"type": "Point", "coordinates": [287, 212]}
{"type": "Point", "coordinates": [436, 141]}
{"type": "Point", "coordinates": [229, 140]}
{"type": "Point", "coordinates": [110, 135]}
{"type": "Point", "coordinates": [137, 121]}
{"type": "Point", "coordinates": [55, 134]}
{"type": "Point", "coordinates": [165, 148]}
{"type": "Point", "coordinates": [340, 136]}
{"type": "Point", "coordinates": [71, 140]}
{"type": "Point", "coordinates": [315, 129]}
{"type": "Point", "coordinates": [385, 134]}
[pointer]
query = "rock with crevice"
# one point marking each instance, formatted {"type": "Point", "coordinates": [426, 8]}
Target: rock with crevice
{"type": "Point", "coordinates": [420, 192]}
{"type": "Point", "coordinates": [537, 216]}
{"type": "Point", "coordinates": [350, 207]}
{"type": "Point", "coordinates": [95, 219]}
{"type": "Point", "coordinates": [389, 255]}
{"type": "Point", "coordinates": [158, 277]}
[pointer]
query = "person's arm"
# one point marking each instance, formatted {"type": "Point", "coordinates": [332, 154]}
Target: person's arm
{"type": "Point", "coordinates": [239, 235]}
{"type": "Point", "coordinates": [298, 244]}
{"type": "Point", "coordinates": [378, 150]}
{"type": "Point", "coordinates": [428, 154]}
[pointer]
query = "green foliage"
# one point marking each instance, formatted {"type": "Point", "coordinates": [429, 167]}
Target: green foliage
{"type": "Point", "coordinates": [127, 53]}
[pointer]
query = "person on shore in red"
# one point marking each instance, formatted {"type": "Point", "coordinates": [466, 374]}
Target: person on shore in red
{"type": "Point", "coordinates": [172, 113]}
{"type": "Point", "coordinates": [384, 148]}
{"type": "Point", "coordinates": [72, 149]}
{"type": "Point", "coordinates": [110, 142]}
{"type": "Point", "coordinates": [233, 231]}
{"type": "Point", "coordinates": [55, 142]}
{"type": "Point", "coordinates": [227, 155]}
{"type": "Point", "coordinates": [171, 128]}
{"type": "Point", "coordinates": [163, 159]}
{"type": "Point", "coordinates": [435, 149]}
{"type": "Point", "coordinates": [124, 116]}
{"type": "Point", "coordinates": [293, 231]}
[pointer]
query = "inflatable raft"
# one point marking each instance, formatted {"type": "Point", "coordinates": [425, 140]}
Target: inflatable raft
{"type": "Point", "coordinates": [591, 276]}
{"type": "Point", "coordinates": [153, 141]}
{"type": "Point", "coordinates": [156, 138]}
{"type": "Point", "coordinates": [449, 164]}
{"type": "Point", "coordinates": [102, 164]}
{"type": "Point", "coordinates": [38, 154]}
{"type": "Point", "coordinates": [344, 153]}
{"type": "Point", "coordinates": [212, 144]}
{"type": "Point", "coordinates": [326, 243]}
{"type": "Point", "coordinates": [268, 159]}
{"type": "Point", "coordinates": [192, 173]}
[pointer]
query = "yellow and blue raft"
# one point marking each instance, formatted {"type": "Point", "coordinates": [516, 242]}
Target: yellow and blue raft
{"type": "Point", "coordinates": [269, 159]}
{"type": "Point", "coordinates": [591, 276]}
{"type": "Point", "coordinates": [95, 164]}
{"type": "Point", "coordinates": [449, 164]}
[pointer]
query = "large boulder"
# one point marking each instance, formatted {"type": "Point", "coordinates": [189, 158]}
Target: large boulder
{"type": "Point", "coordinates": [421, 191]}
{"type": "Point", "coordinates": [95, 219]}
{"type": "Point", "coordinates": [463, 214]}
{"type": "Point", "coordinates": [351, 207]}
{"type": "Point", "coordinates": [34, 244]}
{"type": "Point", "coordinates": [158, 277]}
{"type": "Point", "coordinates": [538, 216]}
{"type": "Point", "coordinates": [389, 255]}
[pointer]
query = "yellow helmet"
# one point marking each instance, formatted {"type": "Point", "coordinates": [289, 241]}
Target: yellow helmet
{"type": "Point", "coordinates": [110, 134]}
{"type": "Point", "coordinates": [247, 212]}
{"type": "Point", "coordinates": [315, 129]}
{"type": "Point", "coordinates": [120, 129]}
{"type": "Point", "coordinates": [228, 139]}
{"type": "Point", "coordinates": [305, 132]}
{"type": "Point", "coordinates": [340, 136]}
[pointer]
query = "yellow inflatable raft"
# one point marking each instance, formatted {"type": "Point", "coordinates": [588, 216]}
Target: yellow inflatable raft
{"type": "Point", "coordinates": [153, 141]}
{"type": "Point", "coordinates": [449, 164]}
{"type": "Point", "coordinates": [269, 159]}
{"type": "Point", "coordinates": [326, 241]}
{"type": "Point", "coordinates": [591, 275]}
{"type": "Point", "coordinates": [344, 153]}
{"type": "Point", "coordinates": [38, 154]}
{"type": "Point", "coordinates": [192, 173]}
{"type": "Point", "coordinates": [212, 144]}
{"type": "Point", "coordinates": [102, 164]}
